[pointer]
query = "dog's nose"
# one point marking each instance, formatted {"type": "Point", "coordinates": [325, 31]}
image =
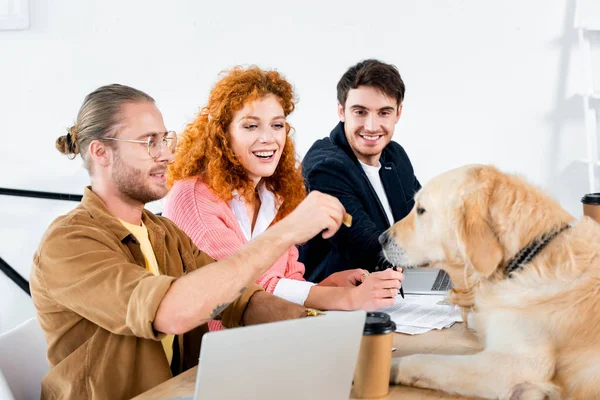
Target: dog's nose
{"type": "Point", "coordinates": [384, 239]}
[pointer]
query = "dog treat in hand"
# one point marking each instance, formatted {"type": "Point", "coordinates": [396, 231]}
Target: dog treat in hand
{"type": "Point", "coordinates": [347, 220]}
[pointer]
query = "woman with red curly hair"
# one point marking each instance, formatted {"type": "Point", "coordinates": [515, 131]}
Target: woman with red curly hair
{"type": "Point", "coordinates": [236, 173]}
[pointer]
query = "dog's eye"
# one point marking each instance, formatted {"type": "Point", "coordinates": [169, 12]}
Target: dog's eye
{"type": "Point", "coordinates": [420, 211]}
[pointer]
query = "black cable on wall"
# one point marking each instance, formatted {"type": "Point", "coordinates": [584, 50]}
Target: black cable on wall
{"type": "Point", "coordinates": [4, 267]}
{"type": "Point", "coordinates": [40, 195]}
{"type": "Point", "coordinates": [14, 276]}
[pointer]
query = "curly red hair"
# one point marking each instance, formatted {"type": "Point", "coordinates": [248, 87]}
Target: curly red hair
{"type": "Point", "coordinates": [204, 147]}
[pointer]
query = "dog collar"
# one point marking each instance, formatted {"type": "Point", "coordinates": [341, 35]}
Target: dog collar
{"type": "Point", "coordinates": [528, 253]}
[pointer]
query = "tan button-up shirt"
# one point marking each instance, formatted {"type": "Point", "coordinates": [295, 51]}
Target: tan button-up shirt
{"type": "Point", "coordinates": [96, 303]}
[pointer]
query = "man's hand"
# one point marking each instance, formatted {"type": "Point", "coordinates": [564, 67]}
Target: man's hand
{"type": "Point", "coordinates": [377, 290]}
{"type": "Point", "coordinates": [317, 213]}
{"type": "Point", "coordinates": [351, 277]}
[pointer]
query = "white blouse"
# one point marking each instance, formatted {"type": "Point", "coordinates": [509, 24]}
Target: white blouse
{"type": "Point", "coordinates": [288, 289]}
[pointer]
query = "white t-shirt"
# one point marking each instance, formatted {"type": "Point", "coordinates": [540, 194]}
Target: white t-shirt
{"type": "Point", "coordinates": [375, 179]}
{"type": "Point", "coordinates": [288, 289]}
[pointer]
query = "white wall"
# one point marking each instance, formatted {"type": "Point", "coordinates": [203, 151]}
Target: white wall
{"type": "Point", "coordinates": [487, 81]}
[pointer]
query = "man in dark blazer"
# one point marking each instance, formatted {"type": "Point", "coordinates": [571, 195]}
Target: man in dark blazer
{"type": "Point", "coordinates": [360, 165]}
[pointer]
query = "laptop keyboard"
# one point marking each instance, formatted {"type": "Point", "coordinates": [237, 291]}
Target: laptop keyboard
{"type": "Point", "coordinates": [442, 282]}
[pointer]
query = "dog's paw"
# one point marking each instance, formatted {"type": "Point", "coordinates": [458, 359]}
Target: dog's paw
{"type": "Point", "coordinates": [396, 372]}
{"type": "Point", "coordinates": [534, 391]}
{"type": "Point", "coordinates": [405, 371]}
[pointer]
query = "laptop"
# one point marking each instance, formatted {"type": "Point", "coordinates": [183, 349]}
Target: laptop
{"type": "Point", "coordinates": [308, 358]}
{"type": "Point", "coordinates": [426, 281]}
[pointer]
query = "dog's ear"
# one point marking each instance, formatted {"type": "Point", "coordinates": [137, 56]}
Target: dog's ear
{"type": "Point", "coordinates": [477, 242]}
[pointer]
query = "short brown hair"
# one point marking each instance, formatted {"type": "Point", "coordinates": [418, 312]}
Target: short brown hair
{"type": "Point", "coordinates": [373, 73]}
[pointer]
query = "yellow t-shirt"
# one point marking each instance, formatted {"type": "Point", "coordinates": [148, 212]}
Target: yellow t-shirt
{"type": "Point", "coordinates": [141, 234]}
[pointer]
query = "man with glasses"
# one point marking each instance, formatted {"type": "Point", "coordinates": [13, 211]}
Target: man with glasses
{"type": "Point", "coordinates": [155, 142]}
{"type": "Point", "coordinates": [123, 295]}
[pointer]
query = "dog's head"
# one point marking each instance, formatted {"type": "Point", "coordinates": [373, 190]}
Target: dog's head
{"type": "Point", "coordinates": [469, 221]}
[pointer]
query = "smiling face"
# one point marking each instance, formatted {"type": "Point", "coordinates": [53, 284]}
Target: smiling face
{"type": "Point", "coordinates": [369, 118]}
{"type": "Point", "coordinates": [258, 134]}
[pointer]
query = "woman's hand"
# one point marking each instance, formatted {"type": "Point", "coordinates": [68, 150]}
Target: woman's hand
{"type": "Point", "coordinates": [351, 277]}
{"type": "Point", "coordinates": [377, 290]}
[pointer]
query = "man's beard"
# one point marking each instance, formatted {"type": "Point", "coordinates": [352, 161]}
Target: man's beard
{"type": "Point", "coordinates": [131, 184]}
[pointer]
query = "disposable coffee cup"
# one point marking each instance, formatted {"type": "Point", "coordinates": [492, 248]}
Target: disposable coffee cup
{"type": "Point", "coordinates": [372, 375]}
{"type": "Point", "coordinates": [591, 206]}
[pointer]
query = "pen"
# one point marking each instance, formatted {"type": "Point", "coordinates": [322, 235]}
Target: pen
{"type": "Point", "coordinates": [401, 290]}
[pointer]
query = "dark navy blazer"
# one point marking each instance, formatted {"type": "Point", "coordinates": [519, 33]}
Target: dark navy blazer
{"type": "Point", "coordinates": [331, 167]}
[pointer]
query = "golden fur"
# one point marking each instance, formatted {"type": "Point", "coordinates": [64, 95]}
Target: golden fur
{"type": "Point", "coordinates": [539, 329]}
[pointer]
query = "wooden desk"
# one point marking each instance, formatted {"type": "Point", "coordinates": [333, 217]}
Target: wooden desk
{"type": "Point", "coordinates": [455, 340]}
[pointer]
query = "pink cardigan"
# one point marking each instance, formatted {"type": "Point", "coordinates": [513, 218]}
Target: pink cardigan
{"type": "Point", "coordinates": [213, 227]}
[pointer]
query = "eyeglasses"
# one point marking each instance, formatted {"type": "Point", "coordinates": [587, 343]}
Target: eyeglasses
{"type": "Point", "coordinates": [155, 142]}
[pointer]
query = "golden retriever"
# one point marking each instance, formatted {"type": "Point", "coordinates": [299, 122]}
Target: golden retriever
{"type": "Point", "coordinates": [539, 326]}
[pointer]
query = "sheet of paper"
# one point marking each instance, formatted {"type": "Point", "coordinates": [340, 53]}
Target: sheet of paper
{"type": "Point", "coordinates": [411, 330]}
{"type": "Point", "coordinates": [429, 299]}
{"type": "Point", "coordinates": [423, 312]}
